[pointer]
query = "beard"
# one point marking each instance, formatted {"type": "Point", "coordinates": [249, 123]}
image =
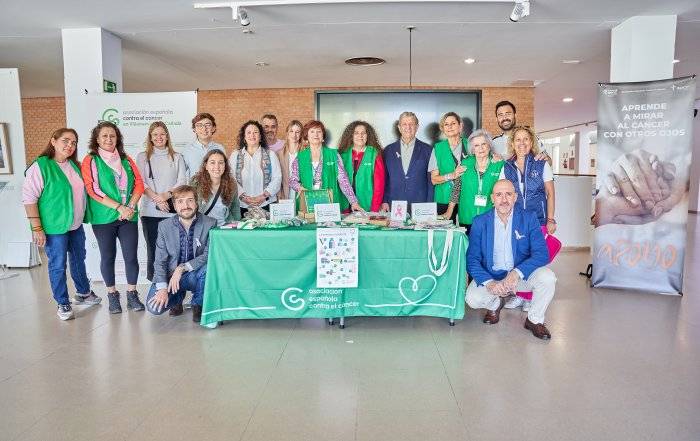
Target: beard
{"type": "Point", "coordinates": [507, 124]}
{"type": "Point", "coordinates": [186, 214]}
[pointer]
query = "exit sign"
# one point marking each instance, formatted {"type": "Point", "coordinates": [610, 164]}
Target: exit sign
{"type": "Point", "coordinates": [109, 86]}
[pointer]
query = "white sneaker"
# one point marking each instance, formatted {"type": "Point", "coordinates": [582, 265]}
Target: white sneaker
{"type": "Point", "coordinates": [514, 302]}
{"type": "Point", "coordinates": [65, 312]}
{"type": "Point", "coordinates": [526, 305]}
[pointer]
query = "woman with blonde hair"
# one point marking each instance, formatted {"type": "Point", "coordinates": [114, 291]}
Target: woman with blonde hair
{"type": "Point", "coordinates": [217, 191]}
{"type": "Point", "coordinates": [533, 180]}
{"type": "Point", "coordinates": [287, 155]}
{"type": "Point", "coordinates": [162, 170]}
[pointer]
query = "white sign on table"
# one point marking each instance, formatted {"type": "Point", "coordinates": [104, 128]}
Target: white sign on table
{"type": "Point", "coordinates": [424, 211]}
{"type": "Point", "coordinates": [399, 211]}
{"type": "Point", "coordinates": [327, 213]}
{"type": "Point", "coordinates": [281, 211]}
{"type": "Point", "coordinates": [337, 263]}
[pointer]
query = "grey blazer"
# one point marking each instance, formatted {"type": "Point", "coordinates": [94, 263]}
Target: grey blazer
{"type": "Point", "coordinates": [168, 246]}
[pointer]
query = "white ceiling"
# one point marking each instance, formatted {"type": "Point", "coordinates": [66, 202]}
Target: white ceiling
{"type": "Point", "coordinates": [169, 45]}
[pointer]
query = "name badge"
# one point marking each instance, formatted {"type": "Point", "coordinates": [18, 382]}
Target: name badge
{"type": "Point", "coordinates": [480, 200]}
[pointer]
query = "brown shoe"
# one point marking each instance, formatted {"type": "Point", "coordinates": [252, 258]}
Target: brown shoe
{"type": "Point", "coordinates": [539, 330]}
{"type": "Point", "coordinates": [176, 310]}
{"type": "Point", "coordinates": [197, 313]}
{"type": "Point", "coordinates": [492, 317]}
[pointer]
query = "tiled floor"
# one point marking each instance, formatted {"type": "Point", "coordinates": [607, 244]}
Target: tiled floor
{"type": "Point", "coordinates": [621, 366]}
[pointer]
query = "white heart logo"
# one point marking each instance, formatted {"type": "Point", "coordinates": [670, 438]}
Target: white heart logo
{"type": "Point", "coordinates": [414, 288]}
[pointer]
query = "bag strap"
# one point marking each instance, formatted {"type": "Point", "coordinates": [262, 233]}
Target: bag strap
{"type": "Point", "coordinates": [432, 259]}
{"type": "Point", "coordinates": [213, 201]}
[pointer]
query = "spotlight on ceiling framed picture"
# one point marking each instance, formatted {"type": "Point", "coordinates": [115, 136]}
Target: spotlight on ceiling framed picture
{"type": "Point", "coordinates": [5, 159]}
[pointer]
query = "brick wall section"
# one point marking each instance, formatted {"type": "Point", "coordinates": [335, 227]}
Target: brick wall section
{"type": "Point", "coordinates": [233, 107]}
{"type": "Point", "coordinates": [41, 117]}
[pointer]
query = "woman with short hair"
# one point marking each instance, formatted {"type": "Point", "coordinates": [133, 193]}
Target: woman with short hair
{"type": "Point", "coordinates": [472, 191]}
{"type": "Point", "coordinates": [319, 167]}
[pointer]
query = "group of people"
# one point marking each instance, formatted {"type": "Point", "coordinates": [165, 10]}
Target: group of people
{"type": "Point", "coordinates": [181, 196]}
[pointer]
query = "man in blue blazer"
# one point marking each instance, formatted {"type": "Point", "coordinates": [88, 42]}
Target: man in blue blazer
{"type": "Point", "coordinates": [406, 164]}
{"type": "Point", "coordinates": [507, 253]}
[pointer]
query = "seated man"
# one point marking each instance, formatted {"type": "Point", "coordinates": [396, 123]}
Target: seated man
{"type": "Point", "coordinates": [181, 257]}
{"type": "Point", "coordinates": [507, 253]}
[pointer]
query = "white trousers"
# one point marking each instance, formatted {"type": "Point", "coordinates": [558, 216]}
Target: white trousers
{"type": "Point", "coordinates": [541, 282]}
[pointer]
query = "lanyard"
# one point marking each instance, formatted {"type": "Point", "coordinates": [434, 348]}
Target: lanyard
{"type": "Point", "coordinates": [480, 175]}
{"type": "Point", "coordinates": [432, 259]}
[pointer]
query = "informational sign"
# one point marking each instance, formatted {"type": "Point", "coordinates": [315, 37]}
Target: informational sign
{"type": "Point", "coordinates": [641, 207]}
{"type": "Point", "coordinates": [132, 113]}
{"type": "Point", "coordinates": [314, 197]}
{"type": "Point", "coordinates": [327, 213]}
{"type": "Point", "coordinates": [399, 211]}
{"type": "Point", "coordinates": [337, 262]}
{"type": "Point", "coordinates": [281, 211]}
{"type": "Point", "coordinates": [424, 211]}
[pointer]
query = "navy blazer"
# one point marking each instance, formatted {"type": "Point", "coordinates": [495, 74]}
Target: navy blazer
{"type": "Point", "coordinates": [529, 248]}
{"type": "Point", "coordinates": [414, 186]}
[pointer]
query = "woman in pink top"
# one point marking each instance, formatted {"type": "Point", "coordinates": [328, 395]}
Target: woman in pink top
{"type": "Point", "coordinates": [54, 199]}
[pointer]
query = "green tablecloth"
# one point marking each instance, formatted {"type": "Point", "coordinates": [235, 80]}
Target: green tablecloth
{"type": "Point", "coordinates": [257, 274]}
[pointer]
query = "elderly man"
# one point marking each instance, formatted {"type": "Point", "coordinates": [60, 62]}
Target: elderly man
{"type": "Point", "coordinates": [270, 126]}
{"type": "Point", "coordinates": [507, 253]}
{"type": "Point", "coordinates": [406, 164]}
{"type": "Point", "coordinates": [180, 263]}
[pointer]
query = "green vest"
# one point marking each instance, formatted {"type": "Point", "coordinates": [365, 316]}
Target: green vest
{"type": "Point", "coordinates": [363, 180]}
{"type": "Point", "coordinates": [102, 214]}
{"type": "Point", "coordinates": [329, 172]}
{"type": "Point", "coordinates": [446, 164]}
{"type": "Point", "coordinates": [470, 188]}
{"type": "Point", "coordinates": [56, 200]}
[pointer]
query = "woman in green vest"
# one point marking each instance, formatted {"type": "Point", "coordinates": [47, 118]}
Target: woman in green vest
{"type": "Point", "coordinates": [472, 191]}
{"type": "Point", "coordinates": [445, 161]}
{"type": "Point", "coordinates": [54, 199]}
{"type": "Point", "coordinates": [114, 187]}
{"type": "Point", "coordinates": [361, 153]}
{"type": "Point", "coordinates": [318, 167]}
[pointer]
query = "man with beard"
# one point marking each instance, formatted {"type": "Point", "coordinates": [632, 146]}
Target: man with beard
{"type": "Point", "coordinates": [507, 253]}
{"type": "Point", "coordinates": [180, 262]}
{"type": "Point", "coordinates": [270, 126]}
{"type": "Point", "coordinates": [505, 116]}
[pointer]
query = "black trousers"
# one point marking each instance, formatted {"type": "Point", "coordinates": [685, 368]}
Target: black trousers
{"type": "Point", "coordinates": [441, 208]}
{"type": "Point", "coordinates": [128, 234]}
{"type": "Point", "coordinates": [150, 233]}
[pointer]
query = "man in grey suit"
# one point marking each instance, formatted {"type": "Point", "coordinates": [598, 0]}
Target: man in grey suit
{"type": "Point", "coordinates": [180, 263]}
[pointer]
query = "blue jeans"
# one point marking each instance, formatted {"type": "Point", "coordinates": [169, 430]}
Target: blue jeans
{"type": "Point", "coordinates": [60, 248]}
{"type": "Point", "coordinates": [190, 281]}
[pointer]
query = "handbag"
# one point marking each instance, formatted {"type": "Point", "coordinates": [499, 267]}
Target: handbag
{"type": "Point", "coordinates": [169, 201]}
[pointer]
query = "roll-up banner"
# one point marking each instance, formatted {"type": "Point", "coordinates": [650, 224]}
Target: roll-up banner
{"type": "Point", "coordinates": [133, 113]}
{"type": "Point", "coordinates": [641, 207]}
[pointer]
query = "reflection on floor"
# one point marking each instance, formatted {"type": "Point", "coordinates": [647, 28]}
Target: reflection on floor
{"type": "Point", "coordinates": [621, 366]}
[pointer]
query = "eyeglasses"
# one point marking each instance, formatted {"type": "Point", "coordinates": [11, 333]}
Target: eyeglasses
{"type": "Point", "coordinates": [501, 115]}
{"type": "Point", "coordinates": [203, 125]}
{"type": "Point", "coordinates": [68, 142]}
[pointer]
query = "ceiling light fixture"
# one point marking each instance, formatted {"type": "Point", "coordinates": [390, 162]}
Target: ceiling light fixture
{"type": "Point", "coordinates": [262, 64]}
{"type": "Point", "coordinates": [470, 61]}
{"type": "Point", "coordinates": [676, 61]}
{"type": "Point", "coordinates": [365, 61]}
{"type": "Point", "coordinates": [520, 9]}
{"type": "Point", "coordinates": [242, 16]}
{"type": "Point", "coordinates": [570, 61]}
{"type": "Point", "coordinates": [567, 99]}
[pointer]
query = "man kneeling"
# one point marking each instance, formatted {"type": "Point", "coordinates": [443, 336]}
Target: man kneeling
{"type": "Point", "coordinates": [180, 263]}
{"type": "Point", "coordinates": [507, 253]}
